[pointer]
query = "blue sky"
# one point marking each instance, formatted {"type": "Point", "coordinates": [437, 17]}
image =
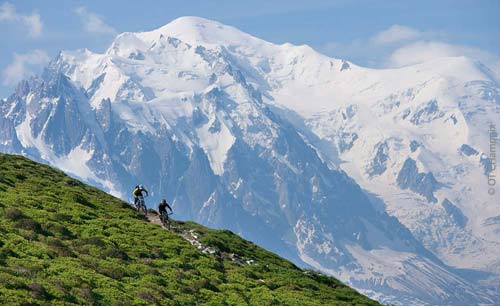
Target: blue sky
{"type": "Point", "coordinates": [370, 33]}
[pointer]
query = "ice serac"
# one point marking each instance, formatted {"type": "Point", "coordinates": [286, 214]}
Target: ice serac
{"type": "Point", "coordinates": [320, 160]}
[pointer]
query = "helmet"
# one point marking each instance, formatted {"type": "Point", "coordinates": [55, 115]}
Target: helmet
{"type": "Point", "coordinates": [163, 201]}
{"type": "Point", "coordinates": [141, 187]}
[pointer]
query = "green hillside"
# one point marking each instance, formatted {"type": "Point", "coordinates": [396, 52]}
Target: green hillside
{"type": "Point", "coordinates": [63, 242]}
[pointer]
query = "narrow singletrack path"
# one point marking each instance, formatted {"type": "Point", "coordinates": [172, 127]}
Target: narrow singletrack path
{"type": "Point", "coordinates": [193, 238]}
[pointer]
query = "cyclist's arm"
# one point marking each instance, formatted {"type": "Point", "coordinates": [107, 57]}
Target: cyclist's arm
{"type": "Point", "coordinates": [170, 208]}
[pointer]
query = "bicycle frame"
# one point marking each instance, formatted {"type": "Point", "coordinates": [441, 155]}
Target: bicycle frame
{"type": "Point", "coordinates": [165, 219]}
{"type": "Point", "coordinates": [141, 205]}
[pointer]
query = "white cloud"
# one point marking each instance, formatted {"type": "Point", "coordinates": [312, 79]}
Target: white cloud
{"type": "Point", "coordinates": [394, 34]}
{"type": "Point", "coordinates": [399, 46]}
{"type": "Point", "coordinates": [94, 23]}
{"type": "Point", "coordinates": [374, 50]}
{"type": "Point", "coordinates": [7, 12]}
{"type": "Point", "coordinates": [422, 51]}
{"type": "Point", "coordinates": [23, 66]}
{"type": "Point", "coordinates": [32, 22]}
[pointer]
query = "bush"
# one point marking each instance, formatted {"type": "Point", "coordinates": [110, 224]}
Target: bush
{"type": "Point", "coordinates": [115, 252]}
{"type": "Point", "coordinates": [20, 177]}
{"type": "Point", "coordinates": [72, 182]}
{"type": "Point", "coordinates": [86, 294]}
{"type": "Point", "coordinates": [4, 253]}
{"type": "Point", "coordinates": [62, 217]}
{"type": "Point", "coordinates": [13, 214]}
{"type": "Point", "coordinates": [38, 292]}
{"type": "Point", "coordinates": [148, 296]}
{"type": "Point", "coordinates": [60, 230]}
{"type": "Point", "coordinates": [11, 282]}
{"type": "Point", "coordinates": [92, 241]}
{"type": "Point", "coordinates": [80, 199]}
{"type": "Point", "coordinates": [60, 248]}
{"type": "Point", "coordinates": [30, 225]}
{"type": "Point", "coordinates": [113, 271]}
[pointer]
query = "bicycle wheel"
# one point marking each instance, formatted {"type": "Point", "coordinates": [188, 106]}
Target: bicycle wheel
{"type": "Point", "coordinates": [165, 220]}
{"type": "Point", "coordinates": [142, 207]}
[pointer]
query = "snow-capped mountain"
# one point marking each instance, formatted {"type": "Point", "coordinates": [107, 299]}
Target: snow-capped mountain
{"type": "Point", "coordinates": [375, 176]}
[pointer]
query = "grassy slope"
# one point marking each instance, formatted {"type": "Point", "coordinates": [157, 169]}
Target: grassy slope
{"type": "Point", "coordinates": [64, 242]}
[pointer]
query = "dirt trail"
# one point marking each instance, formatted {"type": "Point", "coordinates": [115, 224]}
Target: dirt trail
{"type": "Point", "coordinates": [154, 219]}
{"type": "Point", "coordinates": [189, 235]}
{"type": "Point", "coordinates": [193, 237]}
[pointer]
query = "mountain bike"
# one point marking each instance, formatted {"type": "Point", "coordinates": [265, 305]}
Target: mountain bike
{"type": "Point", "coordinates": [165, 220]}
{"type": "Point", "coordinates": [141, 206]}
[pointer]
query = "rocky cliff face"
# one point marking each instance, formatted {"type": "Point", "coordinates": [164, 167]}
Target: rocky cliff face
{"type": "Point", "coordinates": [424, 184]}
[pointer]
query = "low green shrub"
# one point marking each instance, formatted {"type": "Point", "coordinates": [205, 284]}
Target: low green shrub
{"type": "Point", "coordinates": [13, 214]}
{"type": "Point", "coordinates": [29, 225]}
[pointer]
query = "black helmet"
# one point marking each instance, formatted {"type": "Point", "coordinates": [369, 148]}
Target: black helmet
{"type": "Point", "coordinates": [163, 201]}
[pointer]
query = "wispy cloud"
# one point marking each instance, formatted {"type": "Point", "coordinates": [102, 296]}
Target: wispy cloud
{"type": "Point", "coordinates": [33, 22]}
{"type": "Point", "coordinates": [24, 65]}
{"type": "Point", "coordinates": [396, 34]}
{"type": "Point", "coordinates": [422, 51]}
{"type": "Point", "coordinates": [94, 23]}
{"type": "Point", "coordinates": [399, 46]}
{"type": "Point", "coordinates": [374, 50]}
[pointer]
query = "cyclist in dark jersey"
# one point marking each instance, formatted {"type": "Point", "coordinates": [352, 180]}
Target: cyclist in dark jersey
{"type": "Point", "coordinates": [162, 207]}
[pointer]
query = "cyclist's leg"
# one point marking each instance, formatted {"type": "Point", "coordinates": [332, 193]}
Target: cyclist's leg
{"type": "Point", "coordinates": [164, 218]}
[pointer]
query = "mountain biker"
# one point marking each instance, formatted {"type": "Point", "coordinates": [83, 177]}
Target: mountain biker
{"type": "Point", "coordinates": [162, 207]}
{"type": "Point", "coordinates": [138, 190]}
